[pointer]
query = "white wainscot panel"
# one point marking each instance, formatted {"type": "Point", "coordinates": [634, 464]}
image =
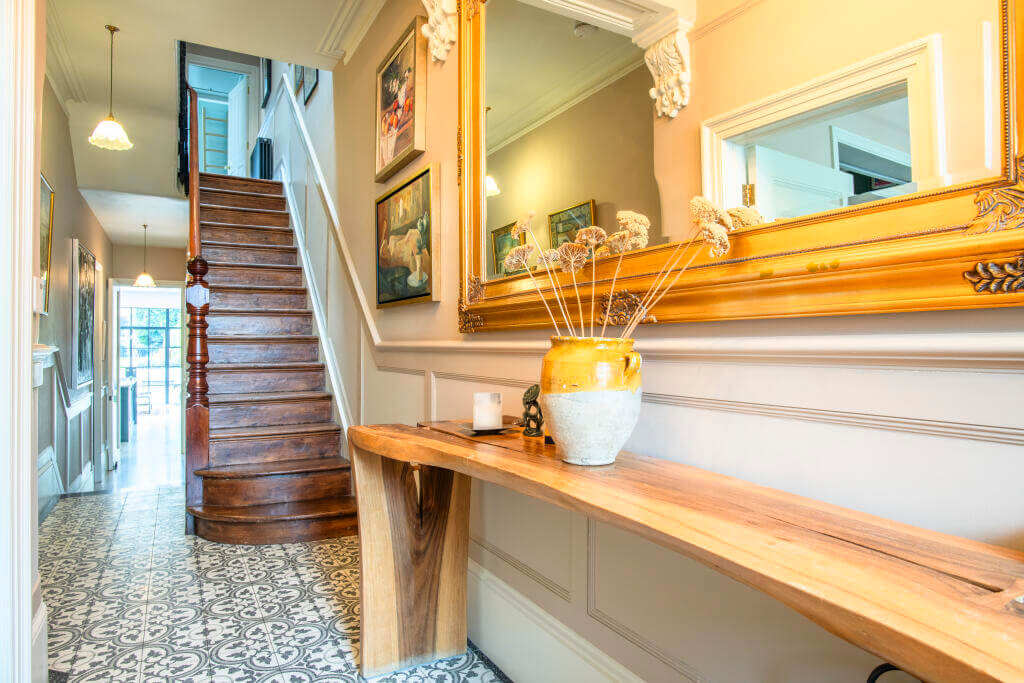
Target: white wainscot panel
{"type": "Point", "coordinates": [933, 482]}
{"type": "Point", "coordinates": [704, 625]}
{"type": "Point", "coordinates": [527, 535]}
{"type": "Point", "coordinates": [453, 394]}
{"type": "Point", "coordinates": [392, 395]}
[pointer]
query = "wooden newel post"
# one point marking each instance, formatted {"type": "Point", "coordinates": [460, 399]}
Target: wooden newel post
{"type": "Point", "coordinates": [197, 406]}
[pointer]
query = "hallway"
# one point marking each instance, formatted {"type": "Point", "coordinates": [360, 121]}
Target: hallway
{"type": "Point", "coordinates": [153, 457]}
{"type": "Point", "coordinates": [131, 598]}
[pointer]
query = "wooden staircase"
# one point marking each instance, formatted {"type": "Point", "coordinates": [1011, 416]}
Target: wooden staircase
{"type": "Point", "coordinates": [275, 472]}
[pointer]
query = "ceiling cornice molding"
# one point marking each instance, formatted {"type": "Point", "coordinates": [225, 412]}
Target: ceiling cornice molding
{"type": "Point", "coordinates": [60, 67]}
{"type": "Point", "coordinates": [347, 28]}
{"type": "Point", "coordinates": [722, 19]}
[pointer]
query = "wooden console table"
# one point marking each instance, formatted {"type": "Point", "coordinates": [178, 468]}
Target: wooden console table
{"type": "Point", "coordinates": [940, 607]}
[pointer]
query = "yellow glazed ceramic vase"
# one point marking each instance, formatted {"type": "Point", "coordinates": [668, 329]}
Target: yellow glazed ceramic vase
{"type": "Point", "coordinates": [590, 395]}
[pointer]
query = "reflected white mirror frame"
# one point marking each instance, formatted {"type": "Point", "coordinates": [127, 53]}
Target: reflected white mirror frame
{"type": "Point", "coordinates": [658, 28]}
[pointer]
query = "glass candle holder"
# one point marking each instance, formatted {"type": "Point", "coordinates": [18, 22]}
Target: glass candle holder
{"type": "Point", "coordinates": [487, 410]}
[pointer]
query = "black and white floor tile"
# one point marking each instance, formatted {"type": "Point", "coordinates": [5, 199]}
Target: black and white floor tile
{"type": "Point", "coordinates": [130, 597]}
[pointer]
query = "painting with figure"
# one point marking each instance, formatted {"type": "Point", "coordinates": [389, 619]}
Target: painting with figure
{"type": "Point", "coordinates": [405, 219]}
{"type": "Point", "coordinates": [399, 111]}
{"type": "Point", "coordinates": [502, 241]}
{"type": "Point", "coordinates": [83, 312]}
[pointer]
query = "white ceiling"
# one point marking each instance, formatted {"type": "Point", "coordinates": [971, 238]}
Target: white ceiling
{"type": "Point", "coordinates": [536, 66]}
{"type": "Point", "coordinates": [123, 213]}
{"type": "Point", "coordinates": [145, 86]}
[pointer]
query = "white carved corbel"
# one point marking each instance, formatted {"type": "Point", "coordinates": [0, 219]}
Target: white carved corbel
{"type": "Point", "coordinates": [667, 55]}
{"type": "Point", "coordinates": [442, 27]}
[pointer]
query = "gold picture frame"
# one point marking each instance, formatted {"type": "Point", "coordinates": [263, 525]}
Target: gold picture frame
{"type": "Point", "coordinates": [400, 103]}
{"type": "Point", "coordinates": [934, 250]}
{"type": "Point", "coordinates": [568, 217]}
{"type": "Point", "coordinates": [500, 248]}
{"type": "Point", "coordinates": [406, 226]}
{"type": "Point", "coordinates": [46, 200]}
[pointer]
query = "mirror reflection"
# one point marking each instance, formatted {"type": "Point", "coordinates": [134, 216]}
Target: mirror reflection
{"type": "Point", "coordinates": [569, 129]}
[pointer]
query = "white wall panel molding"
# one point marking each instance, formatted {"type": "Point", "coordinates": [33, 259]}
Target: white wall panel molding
{"type": "Point", "coordinates": [402, 371]}
{"type": "Point", "coordinates": [500, 381]}
{"type": "Point", "coordinates": [1013, 436]}
{"type": "Point", "coordinates": [595, 613]}
{"type": "Point", "coordinates": [526, 570]}
{"type": "Point", "coordinates": [505, 624]}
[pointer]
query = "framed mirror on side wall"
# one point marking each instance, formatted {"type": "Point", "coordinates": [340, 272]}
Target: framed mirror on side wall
{"type": "Point", "coordinates": [877, 168]}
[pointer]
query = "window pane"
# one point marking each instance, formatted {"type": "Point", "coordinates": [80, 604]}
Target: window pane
{"type": "Point", "coordinates": [139, 358]}
{"type": "Point", "coordinates": [140, 316]}
{"type": "Point", "coordinates": [175, 337]}
{"type": "Point", "coordinates": [157, 317]}
{"type": "Point", "coordinates": [125, 316]}
{"type": "Point", "coordinates": [156, 339]}
{"type": "Point", "coordinates": [174, 317]}
{"type": "Point", "coordinates": [175, 358]}
{"type": "Point", "coordinates": [140, 340]}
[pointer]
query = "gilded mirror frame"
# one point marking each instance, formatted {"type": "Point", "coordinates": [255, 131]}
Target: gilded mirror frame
{"type": "Point", "coordinates": [940, 249]}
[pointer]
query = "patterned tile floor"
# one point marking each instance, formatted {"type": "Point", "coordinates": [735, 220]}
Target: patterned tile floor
{"type": "Point", "coordinates": [131, 598]}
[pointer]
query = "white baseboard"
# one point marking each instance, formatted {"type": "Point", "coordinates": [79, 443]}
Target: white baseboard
{"type": "Point", "coordinates": [527, 642]}
{"type": "Point", "coordinates": [40, 670]}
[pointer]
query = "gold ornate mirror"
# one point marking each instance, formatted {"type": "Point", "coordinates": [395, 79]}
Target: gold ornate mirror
{"type": "Point", "coordinates": [881, 150]}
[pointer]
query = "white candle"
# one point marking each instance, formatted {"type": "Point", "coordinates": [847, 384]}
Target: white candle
{"type": "Point", "coordinates": [486, 410]}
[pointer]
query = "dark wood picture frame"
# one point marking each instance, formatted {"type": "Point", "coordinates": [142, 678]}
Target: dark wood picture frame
{"type": "Point", "coordinates": [310, 79]}
{"type": "Point", "coordinates": [83, 315]}
{"type": "Point", "coordinates": [266, 80]}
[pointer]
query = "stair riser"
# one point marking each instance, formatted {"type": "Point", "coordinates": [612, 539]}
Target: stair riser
{"type": "Point", "coordinates": [292, 531]}
{"type": "Point", "coordinates": [256, 381]}
{"type": "Point", "coordinates": [262, 352]}
{"type": "Point", "coordinates": [268, 414]}
{"type": "Point", "coordinates": [277, 489]}
{"type": "Point", "coordinates": [228, 275]}
{"type": "Point", "coordinates": [256, 300]}
{"type": "Point", "coordinates": [276, 449]}
{"type": "Point", "coordinates": [239, 184]}
{"type": "Point", "coordinates": [244, 216]}
{"type": "Point", "coordinates": [269, 324]}
{"type": "Point", "coordinates": [245, 201]}
{"type": "Point", "coordinates": [286, 257]}
{"type": "Point", "coordinates": [246, 236]}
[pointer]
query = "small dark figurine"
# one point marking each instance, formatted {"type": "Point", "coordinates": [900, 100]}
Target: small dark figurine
{"type": "Point", "coordinates": [533, 420]}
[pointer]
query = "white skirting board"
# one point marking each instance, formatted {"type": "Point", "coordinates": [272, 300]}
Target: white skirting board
{"type": "Point", "coordinates": [526, 642]}
{"type": "Point", "coordinates": [40, 672]}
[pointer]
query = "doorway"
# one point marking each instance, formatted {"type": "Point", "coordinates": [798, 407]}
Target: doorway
{"type": "Point", "coordinates": [227, 113]}
{"type": "Point", "coordinates": [148, 423]}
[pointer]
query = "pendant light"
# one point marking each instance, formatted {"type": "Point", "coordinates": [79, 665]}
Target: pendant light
{"type": "Point", "coordinates": [144, 279]}
{"type": "Point", "coordinates": [109, 134]}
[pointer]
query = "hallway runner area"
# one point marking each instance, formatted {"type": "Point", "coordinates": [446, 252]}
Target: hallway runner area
{"type": "Point", "coordinates": [130, 597]}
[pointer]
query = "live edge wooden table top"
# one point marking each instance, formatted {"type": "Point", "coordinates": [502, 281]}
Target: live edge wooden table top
{"type": "Point", "coordinates": [940, 607]}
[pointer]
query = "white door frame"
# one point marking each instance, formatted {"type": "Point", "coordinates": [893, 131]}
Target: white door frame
{"type": "Point", "coordinates": [253, 72]}
{"type": "Point", "coordinates": [116, 285]}
{"type": "Point", "coordinates": [19, 174]}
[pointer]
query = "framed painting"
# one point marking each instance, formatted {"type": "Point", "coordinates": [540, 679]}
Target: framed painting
{"type": "Point", "coordinates": [400, 104]}
{"type": "Point", "coordinates": [83, 313]}
{"type": "Point", "coordinates": [502, 241]}
{"type": "Point", "coordinates": [46, 195]}
{"type": "Point", "coordinates": [298, 71]}
{"type": "Point", "coordinates": [310, 79]}
{"type": "Point", "coordinates": [266, 81]}
{"type": "Point", "coordinates": [407, 241]}
{"type": "Point", "coordinates": [562, 225]}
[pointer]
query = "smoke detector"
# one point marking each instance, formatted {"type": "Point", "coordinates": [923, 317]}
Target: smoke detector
{"type": "Point", "coordinates": [583, 30]}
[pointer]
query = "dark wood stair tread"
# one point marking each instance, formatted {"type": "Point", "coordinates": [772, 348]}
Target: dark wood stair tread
{"type": "Point", "coordinates": [269, 397]}
{"type": "Point", "coordinates": [276, 512]}
{"type": "Point", "coordinates": [278, 365]}
{"type": "Point", "coordinates": [241, 193]}
{"type": "Point", "coordinates": [260, 266]}
{"type": "Point", "coordinates": [270, 469]}
{"type": "Point", "coordinates": [273, 430]}
{"type": "Point", "coordinates": [243, 226]}
{"type": "Point", "coordinates": [283, 289]}
{"type": "Point", "coordinates": [249, 245]}
{"type": "Point", "coordinates": [261, 311]}
{"type": "Point", "coordinates": [226, 207]}
{"type": "Point", "coordinates": [225, 176]}
{"type": "Point", "coordinates": [252, 339]}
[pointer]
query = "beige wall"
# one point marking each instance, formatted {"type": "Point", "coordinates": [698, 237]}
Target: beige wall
{"type": "Point", "coordinates": [840, 409]}
{"type": "Point", "coordinates": [601, 149]}
{"type": "Point", "coordinates": [164, 263]}
{"type": "Point", "coordinates": [72, 218]}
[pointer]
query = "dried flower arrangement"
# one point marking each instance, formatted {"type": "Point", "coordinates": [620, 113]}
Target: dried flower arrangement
{"type": "Point", "coordinates": [712, 225]}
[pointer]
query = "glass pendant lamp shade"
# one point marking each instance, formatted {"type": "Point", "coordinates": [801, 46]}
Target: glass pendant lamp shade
{"type": "Point", "coordinates": [109, 134]}
{"type": "Point", "coordinates": [145, 279]}
{"type": "Point", "coordinates": [491, 186]}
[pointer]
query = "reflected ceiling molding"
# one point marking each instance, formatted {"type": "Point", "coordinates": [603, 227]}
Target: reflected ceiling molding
{"type": "Point", "coordinates": [347, 27]}
{"type": "Point", "coordinates": [667, 54]}
{"type": "Point", "coordinates": [60, 67]}
{"type": "Point", "coordinates": [442, 27]}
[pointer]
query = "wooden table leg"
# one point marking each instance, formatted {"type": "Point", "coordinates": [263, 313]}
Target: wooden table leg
{"type": "Point", "coordinates": [414, 555]}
